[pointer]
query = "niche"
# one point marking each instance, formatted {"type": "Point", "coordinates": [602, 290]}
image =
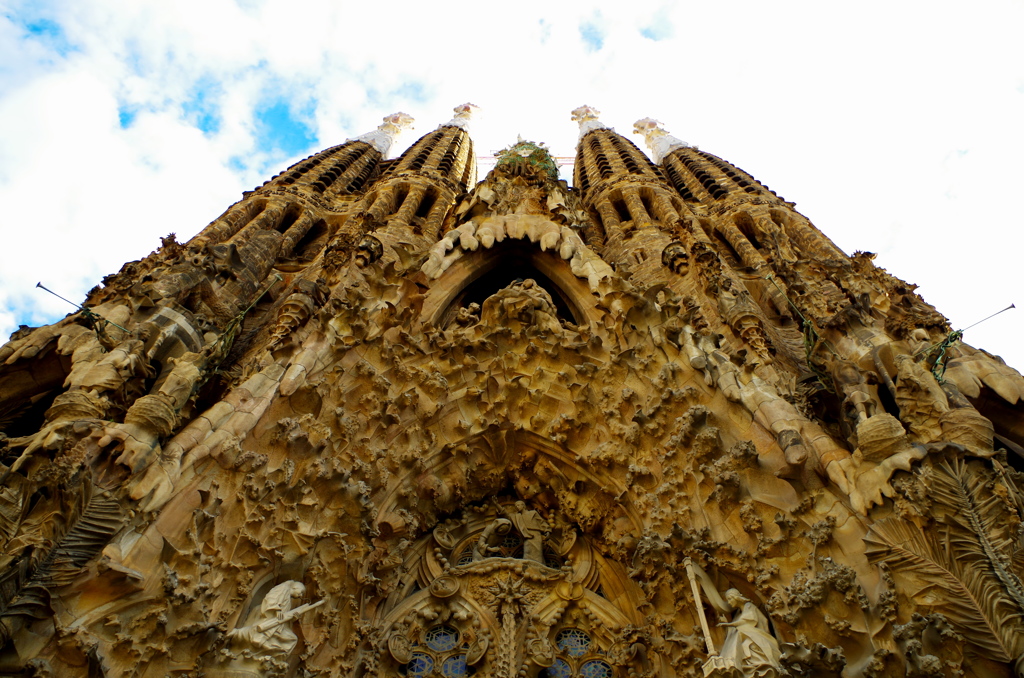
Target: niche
{"type": "Point", "coordinates": [513, 263]}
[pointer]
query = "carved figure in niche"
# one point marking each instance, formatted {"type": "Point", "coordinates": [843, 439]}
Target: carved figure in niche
{"type": "Point", "coordinates": [533, 527]}
{"type": "Point", "coordinates": [399, 645]}
{"type": "Point", "coordinates": [468, 315]}
{"type": "Point", "coordinates": [272, 635]}
{"type": "Point", "coordinates": [858, 402]}
{"type": "Point", "coordinates": [490, 539]}
{"type": "Point", "coordinates": [749, 645]}
{"type": "Point", "coordinates": [523, 302]}
{"type": "Point", "coordinates": [749, 642]}
{"type": "Point", "coordinates": [369, 250]}
{"type": "Point", "coordinates": [562, 537]}
{"type": "Point", "coordinates": [443, 533]}
{"type": "Point", "coordinates": [676, 258]}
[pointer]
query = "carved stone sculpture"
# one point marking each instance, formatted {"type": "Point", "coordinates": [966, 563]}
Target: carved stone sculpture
{"type": "Point", "coordinates": [271, 633]}
{"type": "Point", "coordinates": [490, 427]}
{"type": "Point", "coordinates": [533, 528]}
{"type": "Point", "coordinates": [749, 643]}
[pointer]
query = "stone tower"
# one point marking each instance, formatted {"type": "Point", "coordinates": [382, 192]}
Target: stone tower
{"type": "Point", "coordinates": [379, 419]}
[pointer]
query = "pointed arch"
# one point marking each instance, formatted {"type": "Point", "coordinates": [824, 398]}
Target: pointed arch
{"type": "Point", "coordinates": [477, 275]}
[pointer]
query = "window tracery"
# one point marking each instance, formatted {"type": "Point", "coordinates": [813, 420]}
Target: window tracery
{"type": "Point", "coordinates": [578, 656]}
{"type": "Point", "coordinates": [506, 588]}
{"type": "Point", "coordinates": [440, 652]}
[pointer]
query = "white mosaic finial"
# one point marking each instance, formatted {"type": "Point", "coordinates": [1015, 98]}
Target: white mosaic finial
{"type": "Point", "coordinates": [382, 137]}
{"type": "Point", "coordinates": [586, 116]}
{"type": "Point", "coordinates": [462, 115]}
{"type": "Point", "coordinates": [658, 140]}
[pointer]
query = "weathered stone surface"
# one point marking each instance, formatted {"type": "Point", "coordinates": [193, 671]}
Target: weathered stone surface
{"type": "Point", "coordinates": [380, 419]}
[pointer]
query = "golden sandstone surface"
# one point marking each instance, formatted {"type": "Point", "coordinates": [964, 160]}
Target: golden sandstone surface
{"type": "Point", "coordinates": [379, 419]}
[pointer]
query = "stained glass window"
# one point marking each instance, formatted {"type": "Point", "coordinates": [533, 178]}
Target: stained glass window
{"type": "Point", "coordinates": [512, 546]}
{"type": "Point", "coordinates": [442, 638]}
{"type": "Point", "coordinates": [560, 670]}
{"type": "Point", "coordinates": [466, 557]}
{"type": "Point", "coordinates": [420, 665]}
{"type": "Point", "coordinates": [596, 669]}
{"type": "Point", "coordinates": [454, 667]}
{"type": "Point", "coordinates": [573, 642]}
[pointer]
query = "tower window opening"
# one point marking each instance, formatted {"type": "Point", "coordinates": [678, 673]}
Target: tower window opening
{"type": "Point", "coordinates": [746, 227]}
{"type": "Point", "coordinates": [678, 182]}
{"type": "Point", "coordinates": [583, 180]}
{"type": "Point", "coordinates": [730, 254]}
{"type": "Point", "coordinates": [399, 198]}
{"type": "Point", "coordinates": [628, 161]}
{"type": "Point", "coordinates": [288, 219]}
{"type": "Point", "coordinates": [426, 204]}
{"type": "Point", "coordinates": [646, 200]}
{"type": "Point", "coordinates": [622, 210]}
{"type": "Point", "coordinates": [311, 243]}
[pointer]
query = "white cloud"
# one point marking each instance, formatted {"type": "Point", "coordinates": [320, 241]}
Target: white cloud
{"type": "Point", "coordinates": [894, 126]}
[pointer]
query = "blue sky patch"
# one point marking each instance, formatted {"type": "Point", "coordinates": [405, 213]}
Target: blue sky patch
{"type": "Point", "coordinates": [48, 32]}
{"type": "Point", "coordinates": [412, 91]}
{"type": "Point", "coordinates": [409, 92]}
{"type": "Point", "coordinates": [126, 116]}
{"type": "Point", "coordinates": [201, 109]}
{"type": "Point", "coordinates": [281, 128]}
{"type": "Point", "coordinates": [660, 27]}
{"type": "Point", "coordinates": [592, 36]}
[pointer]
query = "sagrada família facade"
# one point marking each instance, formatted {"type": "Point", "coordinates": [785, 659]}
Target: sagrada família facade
{"type": "Point", "coordinates": [382, 419]}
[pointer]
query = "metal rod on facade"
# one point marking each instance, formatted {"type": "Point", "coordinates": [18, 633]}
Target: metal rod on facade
{"type": "Point", "coordinates": [83, 309]}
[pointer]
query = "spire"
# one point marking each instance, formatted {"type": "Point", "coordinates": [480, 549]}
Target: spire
{"type": "Point", "coordinates": [382, 137]}
{"type": "Point", "coordinates": [462, 115]}
{"type": "Point", "coordinates": [658, 140]}
{"type": "Point", "coordinates": [586, 116]}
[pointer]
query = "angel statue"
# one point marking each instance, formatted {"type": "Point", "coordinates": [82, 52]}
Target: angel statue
{"type": "Point", "coordinates": [749, 649]}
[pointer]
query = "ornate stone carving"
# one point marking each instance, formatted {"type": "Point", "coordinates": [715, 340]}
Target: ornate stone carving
{"type": "Point", "coordinates": [271, 633]}
{"type": "Point", "coordinates": [487, 424]}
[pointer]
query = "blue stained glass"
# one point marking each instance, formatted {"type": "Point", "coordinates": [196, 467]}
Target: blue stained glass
{"type": "Point", "coordinates": [454, 667]}
{"type": "Point", "coordinates": [442, 638]}
{"type": "Point", "coordinates": [420, 665]}
{"type": "Point", "coordinates": [511, 541]}
{"type": "Point", "coordinates": [596, 669]}
{"type": "Point", "coordinates": [559, 670]}
{"type": "Point", "coordinates": [573, 642]}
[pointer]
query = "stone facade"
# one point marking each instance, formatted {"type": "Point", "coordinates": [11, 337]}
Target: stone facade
{"type": "Point", "coordinates": [379, 419]}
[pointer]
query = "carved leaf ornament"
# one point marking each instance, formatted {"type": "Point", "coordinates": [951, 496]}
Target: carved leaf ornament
{"type": "Point", "coordinates": [957, 568]}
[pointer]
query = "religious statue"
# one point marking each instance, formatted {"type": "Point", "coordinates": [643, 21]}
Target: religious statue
{"type": "Point", "coordinates": [749, 646]}
{"type": "Point", "coordinates": [533, 527]}
{"type": "Point", "coordinates": [859, 404]}
{"type": "Point", "coordinates": [490, 539]}
{"type": "Point", "coordinates": [676, 257]}
{"type": "Point", "coordinates": [272, 634]}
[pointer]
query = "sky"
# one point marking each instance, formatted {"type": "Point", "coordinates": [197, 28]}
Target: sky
{"type": "Point", "coordinates": [897, 127]}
